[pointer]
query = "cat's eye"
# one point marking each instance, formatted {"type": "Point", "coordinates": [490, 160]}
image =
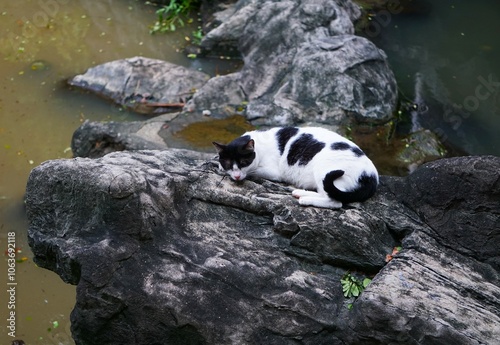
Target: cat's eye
{"type": "Point", "coordinates": [227, 164]}
{"type": "Point", "coordinates": [245, 162]}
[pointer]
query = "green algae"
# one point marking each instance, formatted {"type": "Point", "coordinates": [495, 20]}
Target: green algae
{"type": "Point", "coordinates": [201, 134]}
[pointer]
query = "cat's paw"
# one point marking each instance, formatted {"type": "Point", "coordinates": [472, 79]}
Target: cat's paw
{"type": "Point", "coordinates": [299, 193]}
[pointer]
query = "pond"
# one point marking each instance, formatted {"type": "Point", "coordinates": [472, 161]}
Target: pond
{"type": "Point", "coordinates": [42, 44]}
{"type": "Point", "coordinates": [443, 60]}
{"type": "Point", "coordinates": [445, 56]}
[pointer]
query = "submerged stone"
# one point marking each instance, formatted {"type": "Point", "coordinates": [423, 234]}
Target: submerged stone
{"type": "Point", "coordinates": [422, 146]}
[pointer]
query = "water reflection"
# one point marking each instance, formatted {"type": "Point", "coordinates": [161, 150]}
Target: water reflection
{"type": "Point", "coordinates": [453, 60]}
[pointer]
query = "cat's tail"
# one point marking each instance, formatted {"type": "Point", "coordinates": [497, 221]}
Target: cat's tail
{"type": "Point", "coordinates": [367, 185]}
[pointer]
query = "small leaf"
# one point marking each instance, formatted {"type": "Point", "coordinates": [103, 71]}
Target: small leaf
{"type": "Point", "coordinates": [366, 282]}
{"type": "Point", "coordinates": [355, 290]}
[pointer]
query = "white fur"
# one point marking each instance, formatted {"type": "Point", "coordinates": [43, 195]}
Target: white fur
{"type": "Point", "coordinates": [271, 165]}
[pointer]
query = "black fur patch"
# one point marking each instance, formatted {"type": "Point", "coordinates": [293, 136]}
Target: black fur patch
{"type": "Point", "coordinates": [284, 135]}
{"type": "Point", "coordinates": [340, 146]}
{"type": "Point", "coordinates": [304, 149]}
{"type": "Point", "coordinates": [236, 152]}
{"type": "Point", "coordinates": [367, 185]}
{"type": "Point", "coordinates": [357, 151]}
{"type": "Point", "coordinates": [345, 146]}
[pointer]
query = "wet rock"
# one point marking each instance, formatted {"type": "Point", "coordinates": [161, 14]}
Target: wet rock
{"type": "Point", "coordinates": [163, 247]}
{"type": "Point", "coordinates": [422, 146]}
{"type": "Point", "coordinates": [302, 64]}
{"type": "Point", "coordinates": [147, 86]}
{"type": "Point", "coordinates": [179, 130]}
{"type": "Point", "coordinates": [96, 139]}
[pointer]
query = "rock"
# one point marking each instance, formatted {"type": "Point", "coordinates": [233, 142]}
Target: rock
{"type": "Point", "coordinates": [147, 86]}
{"type": "Point", "coordinates": [96, 139]}
{"type": "Point", "coordinates": [302, 64]}
{"type": "Point", "coordinates": [422, 146]}
{"type": "Point", "coordinates": [460, 201]}
{"type": "Point", "coordinates": [341, 91]}
{"type": "Point", "coordinates": [165, 250]}
{"type": "Point", "coordinates": [219, 92]}
{"type": "Point", "coordinates": [439, 307]}
{"type": "Point", "coordinates": [179, 130]}
{"type": "Point", "coordinates": [215, 12]}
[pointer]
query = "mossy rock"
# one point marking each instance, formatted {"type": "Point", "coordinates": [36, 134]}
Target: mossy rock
{"type": "Point", "coordinates": [422, 146]}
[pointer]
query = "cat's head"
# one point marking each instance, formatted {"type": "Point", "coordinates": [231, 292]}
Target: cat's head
{"type": "Point", "coordinates": [237, 157]}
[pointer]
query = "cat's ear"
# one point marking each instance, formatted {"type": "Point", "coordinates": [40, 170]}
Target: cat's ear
{"type": "Point", "coordinates": [250, 146]}
{"type": "Point", "coordinates": [219, 147]}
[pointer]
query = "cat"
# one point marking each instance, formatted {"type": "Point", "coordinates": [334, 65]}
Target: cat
{"type": "Point", "coordinates": [330, 169]}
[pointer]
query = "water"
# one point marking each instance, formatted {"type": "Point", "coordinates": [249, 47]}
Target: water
{"type": "Point", "coordinates": [44, 42]}
{"type": "Point", "coordinates": [445, 55]}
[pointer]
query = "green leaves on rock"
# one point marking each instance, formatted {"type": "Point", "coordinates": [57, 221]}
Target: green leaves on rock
{"type": "Point", "coordinates": [352, 286]}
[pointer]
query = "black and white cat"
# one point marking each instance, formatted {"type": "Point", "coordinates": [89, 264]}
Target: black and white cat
{"type": "Point", "coordinates": [310, 158]}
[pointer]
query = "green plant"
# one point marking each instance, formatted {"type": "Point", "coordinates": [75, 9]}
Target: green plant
{"type": "Point", "coordinates": [352, 286]}
{"type": "Point", "coordinates": [197, 36]}
{"type": "Point", "coordinates": [173, 15]}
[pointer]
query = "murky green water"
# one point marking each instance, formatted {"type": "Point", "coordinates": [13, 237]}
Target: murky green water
{"type": "Point", "coordinates": [454, 45]}
{"type": "Point", "coordinates": [42, 43]}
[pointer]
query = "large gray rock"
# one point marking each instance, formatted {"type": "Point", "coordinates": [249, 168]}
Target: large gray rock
{"type": "Point", "coordinates": [460, 201]}
{"type": "Point", "coordinates": [164, 250]}
{"type": "Point", "coordinates": [302, 64]}
{"type": "Point", "coordinates": [147, 86]}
